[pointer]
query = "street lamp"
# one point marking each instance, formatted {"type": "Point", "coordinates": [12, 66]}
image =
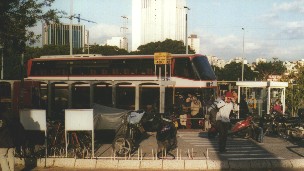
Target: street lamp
{"type": "Point", "coordinates": [243, 55]}
{"type": "Point", "coordinates": [186, 34]}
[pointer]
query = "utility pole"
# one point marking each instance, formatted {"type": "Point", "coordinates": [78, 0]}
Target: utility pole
{"type": "Point", "coordinates": [71, 26]}
{"type": "Point", "coordinates": [186, 30]}
{"type": "Point", "coordinates": [243, 55]}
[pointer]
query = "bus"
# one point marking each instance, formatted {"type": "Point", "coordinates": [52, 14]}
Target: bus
{"type": "Point", "coordinates": [121, 81]}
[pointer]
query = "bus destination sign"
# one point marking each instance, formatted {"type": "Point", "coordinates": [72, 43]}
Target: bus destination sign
{"type": "Point", "coordinates": [161, 58]}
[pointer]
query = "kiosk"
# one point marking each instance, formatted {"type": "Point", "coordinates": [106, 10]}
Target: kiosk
{"type": "Point", "coordinates": [261, 95]}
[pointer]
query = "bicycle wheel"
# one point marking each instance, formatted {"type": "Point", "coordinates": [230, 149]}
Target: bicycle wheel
{"type": "Point", "coordinates": [122, 146]}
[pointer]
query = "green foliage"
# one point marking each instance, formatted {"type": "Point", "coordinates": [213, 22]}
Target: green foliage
{"type": "Point", "coordinates": [107, 50]}
{"type": "Point", "coordinates": [171, 46]}
{"type": "Point", "coordinates": [295, 91]}
{"type": "Point", "coordinates": [233, 72]}
{"type": "Point", "coordinates": [16, 17]}
{"type": "Point", "coordinates": [270, 68]}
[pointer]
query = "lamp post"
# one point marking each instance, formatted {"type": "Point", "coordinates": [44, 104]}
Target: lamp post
{"type": "Point", "coordinates": [186, 30]}
{"type": "Point", "coordinates": [243, 55]}
{"type": "Point", "coordinates": [71, 28]}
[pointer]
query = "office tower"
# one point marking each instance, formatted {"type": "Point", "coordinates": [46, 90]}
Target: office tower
{"type": "Point", "coordinates": [120, 42]}
{"type": "Point", "coordinates": [194, 43]}
{"type": "Point", "coordinates": [158, 20]}
{"type": "Point", "coordinates": [58, 34]}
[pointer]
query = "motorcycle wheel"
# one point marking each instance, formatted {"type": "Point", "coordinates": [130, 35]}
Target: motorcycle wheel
{"type": "Point", "coordinates": [122, 146]}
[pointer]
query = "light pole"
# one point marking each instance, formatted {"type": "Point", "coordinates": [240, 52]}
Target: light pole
{"type": "Point", "coordinates": [243, 55]}
{"type": "Point", "coordinates": [186, 30]}
{"type": "Point", "coordinates": [71, 28]}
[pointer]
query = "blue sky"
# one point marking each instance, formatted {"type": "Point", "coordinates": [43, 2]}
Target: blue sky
{"type": "Point", "coordinates": [272, 28]}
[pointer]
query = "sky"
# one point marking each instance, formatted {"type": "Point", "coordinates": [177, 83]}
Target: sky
{"type": "Point", "coordinates": [272, 28]}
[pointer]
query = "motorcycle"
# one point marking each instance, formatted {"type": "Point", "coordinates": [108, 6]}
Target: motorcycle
{"type": "Point", "coordinates": [238, 128]}
{"type": "Point", "coordinates": [166, 137]}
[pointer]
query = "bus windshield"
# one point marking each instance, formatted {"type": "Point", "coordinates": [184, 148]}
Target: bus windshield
{"type": "Point", "coordinates": [203, 68]}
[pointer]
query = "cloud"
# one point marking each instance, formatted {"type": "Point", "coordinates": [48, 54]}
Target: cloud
{"type": "Point", "coordinates": [293, 6]}
{"type": "Point", "coordinates": [101, 32]}
{"type": "Point", "coordinates": [224, 47]}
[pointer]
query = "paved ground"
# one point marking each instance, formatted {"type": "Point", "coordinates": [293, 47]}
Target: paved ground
{"type": "Point", "coordinates": [194, 144]}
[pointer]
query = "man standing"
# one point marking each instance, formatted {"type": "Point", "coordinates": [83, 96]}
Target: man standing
{"type": "Point", "coordinates": [7, 149]}
{"type": "Point", "coordinates": [224, 121]}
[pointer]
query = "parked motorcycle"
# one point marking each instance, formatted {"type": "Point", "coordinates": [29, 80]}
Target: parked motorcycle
{"type": "Point", "coordinates": [166, 137]}
{"type": "Point", "coordinates": [238, 128]}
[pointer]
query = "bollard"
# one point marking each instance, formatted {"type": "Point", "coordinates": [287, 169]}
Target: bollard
{"type": "Point", "coordinates": [207, 153]}
{"type": "Point", "coordinates": [180, 154]}
{"type": "Point", "coordinates": [192, 153]}
{"type": "Point", "coordinates": [141, 154]}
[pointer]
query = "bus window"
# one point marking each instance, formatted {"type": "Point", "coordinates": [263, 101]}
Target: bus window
{"type": "Point", "coordinates": [203, 68]}
{"type": "Point", "coordinates": [183, 68]}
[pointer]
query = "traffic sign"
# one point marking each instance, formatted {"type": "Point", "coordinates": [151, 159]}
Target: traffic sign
{"type": "Point", "coordinates": [161, 58]}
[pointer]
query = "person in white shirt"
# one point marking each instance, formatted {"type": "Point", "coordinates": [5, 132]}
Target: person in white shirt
{"type": "Point", "coordinates": [224, 121]}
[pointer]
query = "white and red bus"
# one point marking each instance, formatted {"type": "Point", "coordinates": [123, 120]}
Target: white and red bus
{"type": "Point", "coordinates": [123, 81]}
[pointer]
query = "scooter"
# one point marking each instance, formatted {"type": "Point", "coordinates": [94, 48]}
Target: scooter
{"type": "Point", "coordinates": [238, 127]}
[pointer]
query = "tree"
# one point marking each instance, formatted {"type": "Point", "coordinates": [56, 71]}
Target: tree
{"type": "Point", "coordinates": [270, 68]}
{"type": "Point", "coordinates": [294, 91]}
{"type": "Point", "coordinates": [17, 17]}
{"type": "Point", "coordinates": [233, 72]}
{"type": "Point", "coordinates": [107, 50]}
{"type": "Point", "coordinates": [171, 46]}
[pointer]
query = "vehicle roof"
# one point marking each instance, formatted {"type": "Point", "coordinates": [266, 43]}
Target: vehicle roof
{"type": "Point", "coordinates": [98, 56]}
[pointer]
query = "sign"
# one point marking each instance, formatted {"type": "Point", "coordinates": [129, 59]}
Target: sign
{"type": "Point", "coordinates": [79, 119]}
{"type": "Point", "coordinates": [274, 77]}
{"type": "Point", "coordinates": [161, 58]}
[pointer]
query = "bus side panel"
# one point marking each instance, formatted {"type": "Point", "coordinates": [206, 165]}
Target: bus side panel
{"type": "Point", "coordinates": [27, 98]}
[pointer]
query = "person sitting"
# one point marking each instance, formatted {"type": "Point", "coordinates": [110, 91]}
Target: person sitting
{"type": "Point", "coordinates": [277, 107]}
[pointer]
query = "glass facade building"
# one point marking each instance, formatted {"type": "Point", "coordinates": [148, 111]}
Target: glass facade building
{"type": "Point", "coordinates": [58, 34]}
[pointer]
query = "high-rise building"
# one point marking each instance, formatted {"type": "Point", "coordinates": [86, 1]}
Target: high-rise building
{"type": "Point", "coordinates": [59, 34]}
{"type": "Point", "coordinates": [194, 43]}
{"type": "Point", "coordinates": [120, 42]}
{"type": "Point", "coordinates": [157, 20]}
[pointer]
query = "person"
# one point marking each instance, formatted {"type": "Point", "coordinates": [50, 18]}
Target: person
{"type": "Point", "coordinates": [187, 109]}
{"type": "Point", "coordinates": [244, 110]}
{"type": "Point", "coordinates": [195, 108]}
{"type": "Point", "coordinates": [7, 159]}
{"type": "Point", "coordinates": [277, 107]}
{"type": "Point", "coordinates": [224, 121]}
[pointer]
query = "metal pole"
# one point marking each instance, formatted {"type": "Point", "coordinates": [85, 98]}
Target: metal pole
{"type": "Point", "coordinates": [71, 27]}
{"type": "Point", "coordinates": [2, 71]}
{"type": "Point", "coordinates": [186, 37]}
{"type": "Point", "coordinates": [243, 55]}
{"type": "Point", "coordinates": [186, 30]}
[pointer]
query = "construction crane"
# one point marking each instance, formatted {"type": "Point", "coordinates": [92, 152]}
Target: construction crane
{"type": "Point", "coordinates": [78, 18]}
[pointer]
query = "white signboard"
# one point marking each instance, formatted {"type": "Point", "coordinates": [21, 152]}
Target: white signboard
{"type": "Point", "coordinates": [33, 119]}
{"type": "Point", "coordinates": [79, 119]}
